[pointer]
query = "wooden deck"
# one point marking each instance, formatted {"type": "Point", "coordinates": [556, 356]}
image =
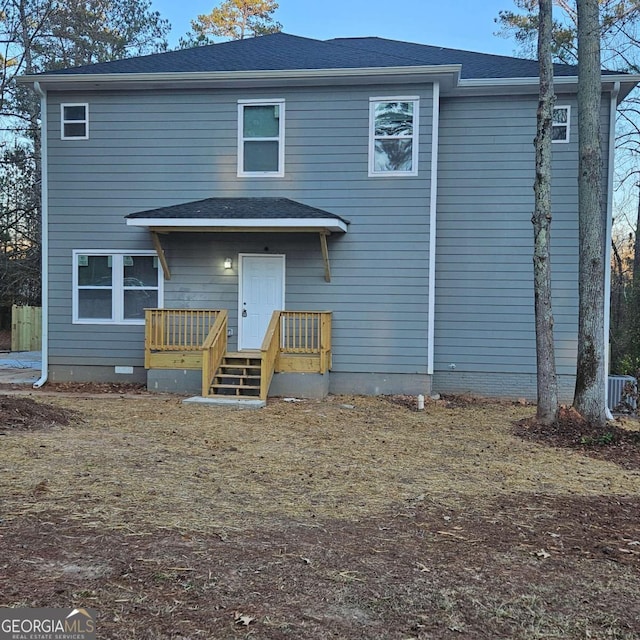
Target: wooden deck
{"type": "Point", "coordinates": [295, 342]}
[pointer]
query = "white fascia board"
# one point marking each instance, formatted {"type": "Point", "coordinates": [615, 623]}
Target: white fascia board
{"type": "Point", "coordinates": [330, 224]}
{"type": "Point", "coordinates": [534, 80]}
{"type": "Point", "coordinates": [181, 77]}
{"type": "Point", "coordinates": [530, 84]}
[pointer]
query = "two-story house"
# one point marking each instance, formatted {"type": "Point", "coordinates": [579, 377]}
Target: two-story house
{"type": "Point", "coordinates": [352, 214]}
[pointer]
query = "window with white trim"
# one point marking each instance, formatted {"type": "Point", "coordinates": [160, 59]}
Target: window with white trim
{"type": "Point", "coordinates": [560, 128]}
{"type": "Point", "coordinates": [261, 138]}
{"type": "Point", "coordinates": [115, 287]}
{"type": "Point", "coordinates": [393, 136]}
{"type": "Point", "coordinates": [74, 121]}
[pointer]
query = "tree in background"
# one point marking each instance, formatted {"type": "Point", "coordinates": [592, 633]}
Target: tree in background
{"type": "Point", "coordinates": [625, 297]}
{"type": "Point", "coordinates": [79, 32]}
{"type": "Point", "coordinates": [589, 398]}
{"type": "Point", "coordinates": [618, 23]}
{"type": "Point", "coordinates": [547, 382]}
{"type": "Point", "coordinates": [233, 19]}
{"type": "Point", "coordinates": [19, 228]}
{"type": "Point", "coordinates": [618, 26]}
{"type": "Point", "coordinates": [38, 35]}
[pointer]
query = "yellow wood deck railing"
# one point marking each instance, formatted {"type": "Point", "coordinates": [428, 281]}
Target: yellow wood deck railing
{"type": "Point", "coordinates": [295, 342]}
{"type": "Point", "coordinates": [213, 350]}
{"type": "Point", "coordinates": [269, 352]}
{"type": "Point", "coordinates": [307, 333]}
{"type": "Point", "coordinates": [176, 330]}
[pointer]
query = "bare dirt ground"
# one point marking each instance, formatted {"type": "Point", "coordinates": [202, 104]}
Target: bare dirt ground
{"type": "Point", "coordinates": [347, 518]}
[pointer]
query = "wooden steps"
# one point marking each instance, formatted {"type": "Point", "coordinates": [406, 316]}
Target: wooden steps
{"type": "Point", "coordinates": [238, 376]}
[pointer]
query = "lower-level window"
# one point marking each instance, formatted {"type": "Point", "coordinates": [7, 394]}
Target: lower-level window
{"type": "Point", "coordinates": [115, 287]}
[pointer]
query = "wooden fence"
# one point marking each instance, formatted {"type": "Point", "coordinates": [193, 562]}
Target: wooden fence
{"type": "Point", "coordinates": [26, 328]}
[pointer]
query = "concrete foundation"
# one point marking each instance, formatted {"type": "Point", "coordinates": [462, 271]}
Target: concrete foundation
{"type": "Point", "coordinates": [375, 384]}
{"type": "Point", "coordinates": [300, 385]}
{"type": "Point", "coordinates": [174, 380]}
{"type": "Point", "coordinates": [510, 386]}
{"type": "Point", "coordinates": [96, 373]}
{"type": "Point", "coordinates": [315, 385]}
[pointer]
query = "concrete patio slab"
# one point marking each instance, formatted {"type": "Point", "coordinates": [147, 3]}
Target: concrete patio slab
{"type": "Point", "coordinates": [227, 402]}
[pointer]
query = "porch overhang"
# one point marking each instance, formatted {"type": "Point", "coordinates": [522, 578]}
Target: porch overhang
{"type": "Point", "coordinates": [239, 215]}
{"type": "Point", "coordinates": [247, 225]}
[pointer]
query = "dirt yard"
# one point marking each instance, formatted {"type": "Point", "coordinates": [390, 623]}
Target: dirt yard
{"type": "Point", "coordinates": [347, 518]}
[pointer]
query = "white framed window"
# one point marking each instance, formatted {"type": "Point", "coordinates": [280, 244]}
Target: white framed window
{"type": "Point", "coordinates": [393, 136]}
{"type": "Point", "coordinates": [74, 121]}
{"type": "Point", "coordinates": [115, 287]}
{"type": "Point", "coordinates": [261, 138]}
{"type": "Point", "coordinates": [561, 122]}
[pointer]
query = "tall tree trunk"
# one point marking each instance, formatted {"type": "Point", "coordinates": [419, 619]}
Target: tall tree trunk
{"type": "Point", "coordinates": [636, 244]}
{"type": "Point", "coordinates": [589, 399]}
{"type": "Point", "coordinates": [547, 381]}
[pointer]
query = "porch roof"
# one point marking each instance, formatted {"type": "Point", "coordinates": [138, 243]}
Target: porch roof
{"type": "Point", "coordinates": [239, 214]}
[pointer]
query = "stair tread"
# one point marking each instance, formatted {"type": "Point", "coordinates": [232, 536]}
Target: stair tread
{"type": "Point", "coordinates": [237, 366]}
{"type": "Point", "coordinates": [218, 385]}
{"type": "Point", "coordinates": [221, 392]}
{"type": "Point", "coordinates": [238, 376]}
{"type": "Point", "coordinates": [243, 354]}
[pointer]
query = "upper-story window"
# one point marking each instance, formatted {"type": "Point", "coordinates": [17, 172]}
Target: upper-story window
{"type": "Point", "coordinates": [560, 130]}
{"type": "Point", "coordinates": [261, 138]}
{"type": "Point", "coordinates": [393, 136]}
{"type": "Point", "coordinates": [74, 121]}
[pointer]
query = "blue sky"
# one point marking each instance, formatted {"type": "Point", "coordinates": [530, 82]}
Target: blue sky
{"type": "Point", "coordinates": [460, 24]}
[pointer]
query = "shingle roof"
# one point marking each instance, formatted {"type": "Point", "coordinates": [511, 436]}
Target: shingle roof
{"type": "Point", "coordinates": [281, 51]}
{"type": "Point", "coordinates": [474, 65]}
{"type": "Point", "coordinates": [238, 209]}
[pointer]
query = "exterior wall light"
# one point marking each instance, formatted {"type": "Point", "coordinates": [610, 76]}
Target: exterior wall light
{"type": "Point", "coordinates": [228, 263]}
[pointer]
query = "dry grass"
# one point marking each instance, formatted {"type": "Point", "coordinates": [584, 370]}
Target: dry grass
{"type": "Point", "coordinates": [150, 462]}
{"type": "Point", "coordinates": [350, 517]}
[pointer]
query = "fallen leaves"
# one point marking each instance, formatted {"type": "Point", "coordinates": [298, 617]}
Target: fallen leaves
{"type": "Point", "coordinates": [243, 619]}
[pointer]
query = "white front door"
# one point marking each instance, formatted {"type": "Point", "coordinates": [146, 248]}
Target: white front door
{"type": "Point", "coordinates": [261, 292]}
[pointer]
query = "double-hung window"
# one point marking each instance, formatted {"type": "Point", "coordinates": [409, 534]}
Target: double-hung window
{"type": "Point", "coordinates": [393, 136]}
{"type": "Point", "coordinates": [261, 138]}
{"type": "Point", "coordinates": [115, 287]}
{"type": "Point", "coordinates": [74, 121]}
{"type": "Point", "coordinates": [560, 129]}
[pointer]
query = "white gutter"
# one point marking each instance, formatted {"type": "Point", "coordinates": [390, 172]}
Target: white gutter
{"type": "Point", "coordinates": [44, 235]}
{"type": "Point", "coordinates": [433, 197]}
{"type": "Point", "coordinates": [535, 81]}
{"type": "Point", "coordinates": [607, 241]}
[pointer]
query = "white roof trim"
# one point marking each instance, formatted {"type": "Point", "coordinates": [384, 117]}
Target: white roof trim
{"type": "Point", "coordinates": [534, 80]}
{"type": "Point", "coordinates": [503, 86]}
{"type": "Point", "coordinates": [330, 224]}
{"type": "Point", "coordinates": [186, 76]}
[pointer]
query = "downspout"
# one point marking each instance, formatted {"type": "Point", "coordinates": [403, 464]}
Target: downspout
{"type": "Point", "coordinates": [607, 242]}
{"type": "Point", "coordinates": [433, 198]}
{"type": "Point", "coordinates": [44, 237]}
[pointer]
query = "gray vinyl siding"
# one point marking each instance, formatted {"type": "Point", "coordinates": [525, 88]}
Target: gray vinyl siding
{"type": "Point", "coordinates": [152, 149]}
{"type": "Point", "coordinates": [484, 320]}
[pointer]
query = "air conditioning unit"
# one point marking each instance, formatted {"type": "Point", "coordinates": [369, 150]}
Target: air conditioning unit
{"type": "Point", "coordinates": [616, 392]}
